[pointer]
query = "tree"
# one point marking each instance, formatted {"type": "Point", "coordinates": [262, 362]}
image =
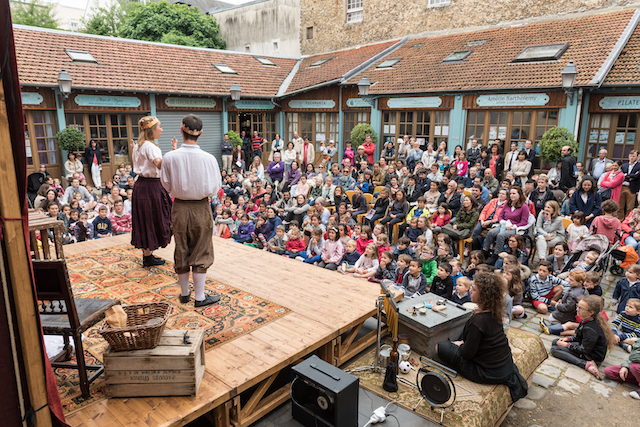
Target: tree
{"type": "Point", "coordinates": [106, 21]}
{"type": "Point", "coordinates": [171, 23]}
{"type": "Point", "coordinates": [552, 142]}
{"type": "Point", "coordinates": [360, 132]}
{"type": "Point", "coordinates": [34, 13]}
{"type": "Point", "coordinates": [234, 138]}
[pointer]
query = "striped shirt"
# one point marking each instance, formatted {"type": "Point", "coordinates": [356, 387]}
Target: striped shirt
{"type": "Point", "coordinates": [540, 288]}
{"type": "Point", "coordinates": [626, 326]}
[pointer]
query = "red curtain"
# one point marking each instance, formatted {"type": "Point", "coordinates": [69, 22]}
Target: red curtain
{"type": "Point", "coordinates": [11, 86]}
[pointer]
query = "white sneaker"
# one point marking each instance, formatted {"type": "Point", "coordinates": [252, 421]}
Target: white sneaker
{"type": "Point", "coordinates": [299, 258]}
{"type": "Point", "coordinates": [634, 394]}
{"type": "Point", "coordinates": [466, 251]}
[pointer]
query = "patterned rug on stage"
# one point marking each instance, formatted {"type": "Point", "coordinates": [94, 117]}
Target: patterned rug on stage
{"type": "Point", "coordinates": [117, 273]}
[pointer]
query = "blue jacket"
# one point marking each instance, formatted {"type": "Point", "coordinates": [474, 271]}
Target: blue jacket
{"type": "Point", "coordinates": [623, 292]}
{"type": "Point", "coordinates": [350, 258]}
{"type": "Point", "coordinates": [245, 231]}
{"type": "Point", "coordinates": [274, 222]}
{"type": "Point", "coordinates": [592, 206]}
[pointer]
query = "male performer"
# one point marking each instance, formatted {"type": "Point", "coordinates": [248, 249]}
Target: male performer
{"type": "Point", "coordinates": [192, 176]}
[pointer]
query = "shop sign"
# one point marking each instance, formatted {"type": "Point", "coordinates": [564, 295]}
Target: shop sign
{"type": "Point", "coordinates": [31, 98]}
{"type": "Point", "coordinates": [247, 104]}
{"type": "Point", "coordinates": [312, 103]}
{"type": "Point", "coordinates": [357, 102]}
{"type": "Point", "coordinates": [620, 103]}
{"type": "Point", "coordinates": [176, 102]}
{"type": "Point", "coordinates": [107, 101]}
{"type": "Point", "coordinates": [417, 102]}
{"type": "Point", "coordinates": [513, 100]}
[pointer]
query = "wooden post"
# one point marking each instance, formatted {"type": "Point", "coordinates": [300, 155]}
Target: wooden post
{"type": "Point", "coordinates": [19, 273]}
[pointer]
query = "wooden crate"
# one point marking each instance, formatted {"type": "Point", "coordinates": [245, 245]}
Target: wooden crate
{"type": "Point", "coordinates": [170, 369]}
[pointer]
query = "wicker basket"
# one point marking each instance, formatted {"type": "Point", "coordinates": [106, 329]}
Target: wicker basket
{"type": "Point", "coordinates": [138, 334]}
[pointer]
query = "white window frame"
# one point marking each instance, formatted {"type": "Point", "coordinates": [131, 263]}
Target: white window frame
{"type": "Point", "coordinates": [355, 11]}
{"type": "Point", "coordinates": [225, 69]}
{"type": "Point", "coordinates": [80, 56]}
{"type": "Point", "coordinates": [438, 3]}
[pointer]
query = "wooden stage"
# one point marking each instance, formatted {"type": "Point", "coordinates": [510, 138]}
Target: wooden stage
{"type": "Point", "coordinates": [238, 388]}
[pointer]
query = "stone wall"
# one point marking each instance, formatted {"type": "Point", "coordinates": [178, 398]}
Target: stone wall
{"type": "Point", "coordinates": [385, 20]}
{"type": "Point", "coordinates": [258, 26]}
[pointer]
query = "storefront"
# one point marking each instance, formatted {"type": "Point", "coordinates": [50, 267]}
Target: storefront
{"type": "Point", "coordinates": [425, 118]}
{"type": "Point", "coordinates": [613, 125]}
{"type": "Point", "coordinates": [171, 109]}
{"type": "Point", "coordinates": [40, 130]}
{"type": "Point", "coordinates": [512, 117]}
{"type": "Point", "coordinates": [110, 120]}
{"type": "Point", "coordinates": [314, 115]}
{"type": "Point", "coordinates": [255, 115]}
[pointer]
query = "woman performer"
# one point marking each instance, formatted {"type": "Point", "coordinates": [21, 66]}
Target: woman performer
{"type": "Point", "coordinates": [151, 204]}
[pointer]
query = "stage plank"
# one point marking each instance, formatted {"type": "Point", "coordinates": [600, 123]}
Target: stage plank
{"type": "Point", "coordinates": [323, 305]}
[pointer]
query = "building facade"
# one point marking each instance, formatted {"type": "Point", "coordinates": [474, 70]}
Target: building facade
{"type": "Point", "coordinates": [327, 25]}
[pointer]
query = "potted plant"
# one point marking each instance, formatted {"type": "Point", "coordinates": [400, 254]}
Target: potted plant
{"type": "Point", "coordinates": [552, 142]}
{"type": "Point", "coordinates": [360, 132]}
{"type": "Point", "coordinates": [71, 139]}
{"type": "Point", "coordinates": [234, 137]}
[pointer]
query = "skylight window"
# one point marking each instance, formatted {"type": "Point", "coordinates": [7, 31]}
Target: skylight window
{"type": "Point", "coordinates": [320, 62]}
{"type": "Point", "coordinates": [547, 52]}
{"type": "Point", "coordinates": [389, 63]}
{"type": "Point", "coordinates": [80, 56]}
{"type": "Point", "coordinates": [475, 43]}
{"type": "Point", "coordinates": [225, 69]}
{"type": "Point", "coordinates": [264, 61]}
{"type": "Point", "coordinates": [417, 45]}
{"type": "Point", "coordinates": [458, 55]}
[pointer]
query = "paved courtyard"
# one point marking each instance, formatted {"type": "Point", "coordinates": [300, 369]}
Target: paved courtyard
{"type": "Point", "coordinates": [565, 394]}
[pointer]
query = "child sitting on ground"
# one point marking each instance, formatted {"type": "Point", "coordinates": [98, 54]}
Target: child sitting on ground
{"type": "Point", "coordinates": [350, 257]}
{"type": "Point", "coordinates": [244, 231]}
{"type": "Point", "coordinates": [261, 230]}
{"type": "Point", "coordinates": [608, 225]}
{"type": "Point", "coordinates": [295, 244]}
{"type": "Point", "coordinates": [626, 325]}
{"type": "Point", "coordinates": [313, 253]}
{"type": "Point", "coordinates": [456, 271]}
{"type": "Point", "coordinates": [223, 223]}
{"type": "Point", "coordinates": [628, 371]}
{"type": "Point", "coordinates": [368, 261]}
{"type": "Point", "coordinates": [84, 229]}
{"type": "Point", "coordinates": [383, 243]}
{"type": "Point", "coordinates": [421, 242]}
{"type": "Point", "coordinates": [443, 283]}
{"type": "Point", "coordinates": [278, 243]}
{"type": "Point", "coordinates": [429, 264]}
{"type": "Point", "coordinates": [591, 283]}
{"type": "Point", "coordinates": [364, 238]}
{"type": "Point", "coordinates": [413, 281]}
{"type": "Point", "coordinates": [413, 231]}
{"type": "Point", "coordinates": [101, 224]}
{"type": "Point", "coordinates": [403, 247]}
{"type": "Point", "coordinates": [402, 268]}
{"type": "Point", "coordinates": [544, 288]}
{"type": "Point", "coordinates": [475, 259]}
{"type": "Point", "coordinates": [627, 287]}
{"type": "Point", "coordinates": [332, 250]}
{"type": "Point", "coordinates": [588, 347]}
{"type": "Point", "coordinates": [425, 229]}
{"type": "Point", "coordinates": [576, 231]}
{"type": "Point", "coordinates": [566, 308]}
{"type": "Point", "coordinates": [462, 295]}
{"type": "Point", "coordinates": [515, 289]}
{"type": "Point", "coordinates": [587, 264]}
{"type": "Point", "coordinates": [443, 249]}
{"type": "Point", "coordinates": [386, 269]}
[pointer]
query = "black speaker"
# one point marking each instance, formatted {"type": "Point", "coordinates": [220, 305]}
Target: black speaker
{"type": "Point", "coordinates": [323, 395]}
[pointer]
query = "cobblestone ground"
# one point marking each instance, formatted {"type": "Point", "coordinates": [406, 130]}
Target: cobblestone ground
{"type": "Point", "coordinates": [563, 394]}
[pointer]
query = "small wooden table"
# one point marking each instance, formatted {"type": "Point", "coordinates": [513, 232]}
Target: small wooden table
{"type": "Point", "coordinates": [42, 223]}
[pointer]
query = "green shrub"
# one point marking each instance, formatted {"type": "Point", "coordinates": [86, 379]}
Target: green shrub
{"type": "Point", "coordinates": [234, 138]}
{"type": "Point", "coordinates": [360, 132]}
{"type": "Point", "coordinates": [71, 139]}
{"type": "Point", "coordinates": [552, 142]}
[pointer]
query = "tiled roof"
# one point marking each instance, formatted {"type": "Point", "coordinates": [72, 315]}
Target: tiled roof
{"type": "Point", "coordinates": [489, 67]}
{"type": "Point", "coordinates": [341, 63]}
{"type": "Point", "coordinates": [626, 70]}
{"type": "Point", "coordinates": [142, 67]}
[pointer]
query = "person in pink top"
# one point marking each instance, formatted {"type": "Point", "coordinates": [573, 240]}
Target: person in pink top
{"type": "Point", "coordinates": [369, 148]}
{"type": "Point", "coordinates": [332, 250]}
{"type": "Point", "coordinates": [613, 180]}
{"type": "Point", "coordinates": [515, 214]}
{"type": "Point", "coordinates": [461, 164]}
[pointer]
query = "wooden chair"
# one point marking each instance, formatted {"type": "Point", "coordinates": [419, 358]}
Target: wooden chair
{"type": "Point", "coordinates": [62, 314]}
{"type": "Point", "coordinates": [566, 222]}
{"type": "Point", "coordinates": [466, 192]}
{"type": "Point", "coordinates": [349, 194]}
{"type": "Point", "coordinates": [378, 189]}
{"type": "Point", "coordinates": [461, 245]}
{"type": "Point", "coordinates": [369, 198]}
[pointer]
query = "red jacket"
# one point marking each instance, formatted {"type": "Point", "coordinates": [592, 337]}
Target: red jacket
{"type": "Point", "coordinates": [296, 244]}
{"type": "Point", "coordinates": [361, 244]}
{"type": "Point", "coordinates": [489, 209]}
{"type": "Point", "coordinates": [369, 150]}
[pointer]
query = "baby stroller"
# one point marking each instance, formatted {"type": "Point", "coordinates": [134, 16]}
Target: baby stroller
{"type": "Point", "coordinates": [594, 242]}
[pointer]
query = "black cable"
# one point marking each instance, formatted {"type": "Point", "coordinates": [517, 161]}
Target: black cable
{"type": "Point", "coordinates": [394, 417]}
{"type": "Point", "coordinates": [367, 394]}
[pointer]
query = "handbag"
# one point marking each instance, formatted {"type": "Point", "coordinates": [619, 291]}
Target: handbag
{"type": "Point", "coordinates": [605, 193]}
